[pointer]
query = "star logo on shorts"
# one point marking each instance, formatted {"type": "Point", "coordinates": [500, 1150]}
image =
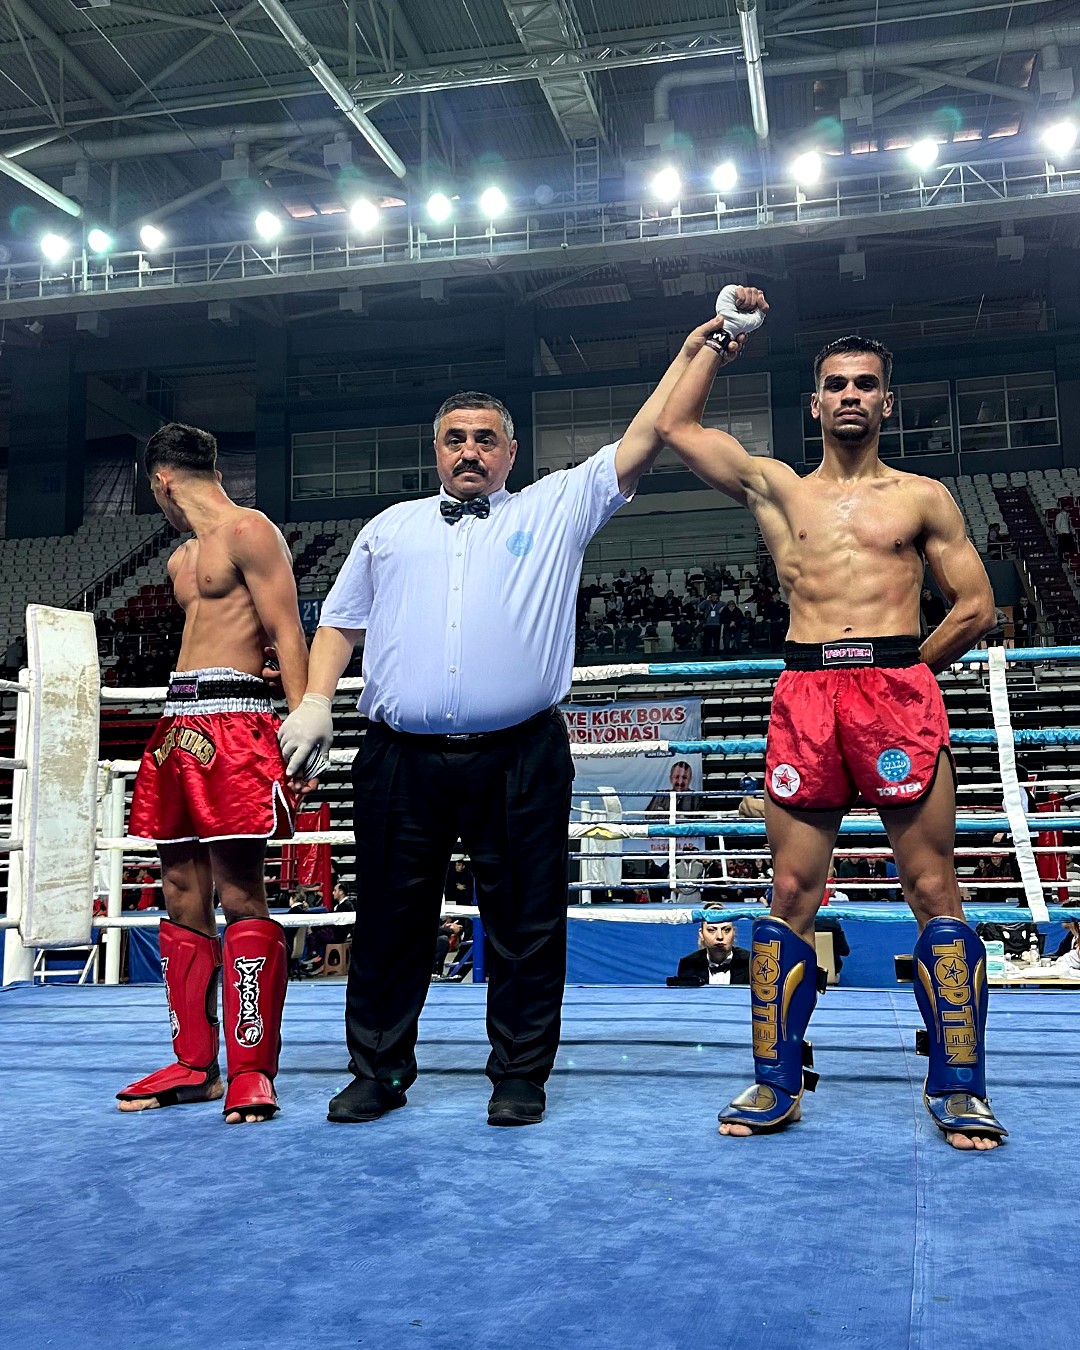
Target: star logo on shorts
{"type": "Point", "coordinates": [785, 780]}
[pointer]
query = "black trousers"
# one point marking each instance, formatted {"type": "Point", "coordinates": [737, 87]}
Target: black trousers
{"type": "Point", "coordinates": [509, 803]}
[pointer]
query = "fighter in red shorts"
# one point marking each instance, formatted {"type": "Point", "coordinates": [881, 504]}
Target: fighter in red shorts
{"type": "Point", "coordinates": [212, 788]}
{"type": "Point", "coordinates": [857, 711]}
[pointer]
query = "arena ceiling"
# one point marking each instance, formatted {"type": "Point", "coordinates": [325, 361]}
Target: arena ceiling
{"type": "Point", "coordinates": [199, 112]}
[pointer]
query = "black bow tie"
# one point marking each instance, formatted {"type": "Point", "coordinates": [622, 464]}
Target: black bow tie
{"type": "Point", "coordinates": [452, 510]}
{"type": "Point", "coordinates": [715, 969]}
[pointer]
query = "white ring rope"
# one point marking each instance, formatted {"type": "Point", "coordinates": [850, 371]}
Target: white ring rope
{"type": "Point", "coordinates": [1010, 785]}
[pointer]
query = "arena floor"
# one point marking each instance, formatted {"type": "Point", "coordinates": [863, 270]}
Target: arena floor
{"type": "Point", "coordinates": [623, 1221]}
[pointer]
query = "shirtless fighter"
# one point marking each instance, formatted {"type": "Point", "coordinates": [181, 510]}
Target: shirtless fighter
{"type": "Point", "coordinates": [856, 711]}
{"type": "Point", "coordinates": [212, 789]}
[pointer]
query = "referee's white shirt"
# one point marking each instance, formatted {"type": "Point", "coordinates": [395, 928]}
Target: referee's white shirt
{"type": "Point", "coordinates": [470, 626]}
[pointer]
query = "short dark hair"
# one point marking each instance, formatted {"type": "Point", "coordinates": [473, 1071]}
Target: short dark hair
{"type": "Point", "coordinates": [178, 446]}
{"type": "Point", "coordinates": [854, 343]}
{"type": "Point", "coordinates": [472, 399]}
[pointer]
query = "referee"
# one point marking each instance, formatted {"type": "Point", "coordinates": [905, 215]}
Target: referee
{"type": "Point", "coordinates": [468, 600]}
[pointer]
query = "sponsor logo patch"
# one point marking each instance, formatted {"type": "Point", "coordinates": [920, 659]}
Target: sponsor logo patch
{"type": "Point", "coordinates": [847, 654]}
{"type": "Point", "coordinates": [520, 543]}
{"type": "Point", "coordinates": [174, 1021]}
{"type": "Point", "coordinates": [893, 765]}
{"type": "Point", "coordinates": [189, 740]}
{"type": "Point", "coordinates": [785, 780]}
{"type": "Point", "coordinates": [249, 1021]}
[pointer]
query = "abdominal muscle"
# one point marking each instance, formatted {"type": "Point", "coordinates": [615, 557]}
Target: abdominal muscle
{"type": "Point", "coordinates": [840, 588]}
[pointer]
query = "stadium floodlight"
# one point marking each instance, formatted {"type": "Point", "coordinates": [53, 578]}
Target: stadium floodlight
{"type": "Point", "coordinates": [725, 176]}
{"type": "Point", "coordinates": [55, 247]}
{"type": "Point", "coordinates": [364, 214]}
{"type": "Point", "coordinates": [267, 225]}
{"type": "Point", "coordinates": [98, 241]}
{"type": "Point", "coordinates": [924, 153]}
{"type": "Point", "coordinates": [439, 207]}
{"type": "Point", "coordinates": [666, 185]}
{"type": "Point", "coordinates": [151, 237]}
{"type": "Point", "coordinates": [807, 168]}
{"type": "Point", "coordinates": [493, 202]}
{"type": "Point", "coordinates": [1060, 138]}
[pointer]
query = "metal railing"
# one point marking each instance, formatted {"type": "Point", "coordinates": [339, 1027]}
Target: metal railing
{"type": "Point", "coordinates": [87, 598]}
{"type": "Point", "coordinates": [776, 213]}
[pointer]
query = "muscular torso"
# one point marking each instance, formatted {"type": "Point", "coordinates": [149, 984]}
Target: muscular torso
{"type": "Point", "coordinates": [848, 555]}
{"type": "Point", "coordinates": [221, 626]}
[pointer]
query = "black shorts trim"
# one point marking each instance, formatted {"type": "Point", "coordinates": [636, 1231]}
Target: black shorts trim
{"type": "Point", "coordinates": [846, 653]}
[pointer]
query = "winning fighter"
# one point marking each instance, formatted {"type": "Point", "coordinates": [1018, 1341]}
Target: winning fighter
{"type": "Point", "coordinates": [212, 788]}
{"type": "Point", "coordinates": [856, 711]}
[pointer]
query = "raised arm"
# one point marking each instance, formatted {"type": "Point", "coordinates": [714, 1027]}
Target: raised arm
{"type": "Point", "coordinates": [717, 458]}
{"type": "Point", "coordinates": [961, 577]}
{"type": "Point", "coordinates": [263, 557]}
{"type": "Point", "coordinates": [641, 442]}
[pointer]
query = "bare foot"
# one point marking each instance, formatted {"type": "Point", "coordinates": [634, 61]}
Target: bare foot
{"type": "Point", "coordinates": [214, 1091]}
{"type": "Point", "coordinates": [742, 1131]}
{"type": "Point", "coordinates": [245, 1117]}
{"type": "Point", "coordinates": [967, 1142]}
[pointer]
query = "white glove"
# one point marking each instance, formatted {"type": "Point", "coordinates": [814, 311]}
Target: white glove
{"type": "Point", "coordinates": [736, 320]}
{"type": "Point", "coordinates": [305, 737]}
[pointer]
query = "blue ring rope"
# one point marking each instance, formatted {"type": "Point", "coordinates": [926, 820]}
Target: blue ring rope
{"type": "Point", "coordinates": [1032, 655]}
{"type": "Point", "coordinates": [700, 829]}
{"type": "Point", "coordinates": [868, 914]}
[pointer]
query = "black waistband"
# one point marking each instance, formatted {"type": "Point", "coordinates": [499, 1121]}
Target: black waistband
{"type": "Point", "coordinates": [470, 740]}
{"type": "Point", "coordinates": [202, 688]}
{"type": "Point", "coordinates": [875, 651]}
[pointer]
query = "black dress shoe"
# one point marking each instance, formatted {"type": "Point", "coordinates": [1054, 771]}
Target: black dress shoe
{"type": "Point", "coordinates": [364, 1099]}
{"type": "Point", "coordinates": [516, 1101]}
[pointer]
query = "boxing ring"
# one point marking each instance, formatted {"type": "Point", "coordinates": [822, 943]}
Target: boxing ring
{"type": "Point", "coordinates": [622, 1221]}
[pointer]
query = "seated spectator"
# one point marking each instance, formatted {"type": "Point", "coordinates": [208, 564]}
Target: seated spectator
{"type": "Point", "coordinates": [733, 626]}
{"type": "Point", "coordinates": [460, 886]}
{"type": "Point", "coordinates": [605, 638]}
{"type": "Point", "coordinates": [717, 960]}
{"type": "Point", "coordinates": [683, 634]}
{"type": "Point", "coordinates": [826, 923]}
{"type": "Point", "coordinates": [1067, 957]}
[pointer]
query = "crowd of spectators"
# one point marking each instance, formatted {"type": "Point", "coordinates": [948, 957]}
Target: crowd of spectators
{"type": "Point", "coordinates": [719, 610]}
{"type": "Point", "coordinates": [145, 648]}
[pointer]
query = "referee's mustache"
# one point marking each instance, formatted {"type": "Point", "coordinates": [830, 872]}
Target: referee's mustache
{"type": "Point", "coordinates": [470, 466]}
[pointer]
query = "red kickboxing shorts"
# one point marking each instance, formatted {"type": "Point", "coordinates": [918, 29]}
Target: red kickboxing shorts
{"type": "Point", "coordinates": [863, 717]}
{"type": "Point", "coordinates": [213, 769]}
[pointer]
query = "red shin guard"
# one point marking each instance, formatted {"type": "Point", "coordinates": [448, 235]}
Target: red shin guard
{"type": "Point", "coordinates": [190, 963]}
{"type": "Point", "coordinates": [253, 996]}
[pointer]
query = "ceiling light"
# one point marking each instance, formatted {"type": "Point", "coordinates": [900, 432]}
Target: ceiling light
{"type": "Point", "coordinates": [97, 241]}
{"type": "Point", "coordinates": [151, 237]}
{"type": "Point", "coordinates": [666, 185]}
{"type": "Point", "coordinates": [493, 202]}
{"type": "Point", "coordinates": [923, 154]}
{"type": "Point", "coordinates": [807, 168]}
{"type": "Point", "coordinates": [1060, 138]}
{"type": "Point", "coordinates": [725, 176]}
{"type": "Point", "coordinates": [55, 247]}
{"type": "Point", "coordinates": [267, 225]}
{"type": "Point", "coordinates": [439, 207]}
{"type": "Point", "coordinates": [364, 214]}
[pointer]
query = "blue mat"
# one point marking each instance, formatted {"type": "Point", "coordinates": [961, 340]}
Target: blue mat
{"type": "Point", "coordinates": [623, 1221]}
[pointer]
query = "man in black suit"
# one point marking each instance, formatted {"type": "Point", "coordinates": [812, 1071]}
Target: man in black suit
{"type": "Point", "coordinates": [717, 960]}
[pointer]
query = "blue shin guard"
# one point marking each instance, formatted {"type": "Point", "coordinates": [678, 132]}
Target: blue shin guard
{"type": "Point", "coordinates": [950, 989]}
{"type": "Point", "coordinates": [783, 992]}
